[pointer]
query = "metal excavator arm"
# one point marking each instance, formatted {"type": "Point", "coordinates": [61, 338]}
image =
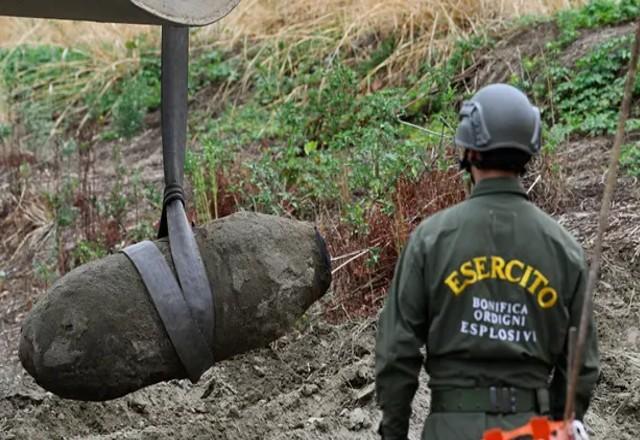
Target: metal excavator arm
{"type": "Point", "coordinates": [177, 12]}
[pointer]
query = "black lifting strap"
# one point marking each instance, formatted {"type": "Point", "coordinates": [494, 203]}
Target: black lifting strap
{"type": "Point", "coordinates": [185, 305]}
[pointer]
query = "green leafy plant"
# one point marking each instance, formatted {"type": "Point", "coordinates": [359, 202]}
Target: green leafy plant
{"type": "Point", "coordinates": [630, 159]}
{"type": "Point", "coordinates": [337, 147]}
{"type": "Point", "coordinates": [118, 200]}
{"type": "Point", "coordinates": [5, 131]}
{"type": "Point", "coordinates": [588, 96]}
{"type": "Point", "coordinates": [596, 13]}
{"type": "Point", "coordinates": [143, 230]}
{"type": "Point", "coordinates": [129, 109]}
{"type": "Point", "coordinates": [45, 271]}
{"type": "Point", "coordinates": [433, 92]}
{"type": "Point", "coordinates": [62, 202]}
{"type": "Point", "coordinates": [86, 251]}
{"type": "Point", "coordinates": [211, 67]}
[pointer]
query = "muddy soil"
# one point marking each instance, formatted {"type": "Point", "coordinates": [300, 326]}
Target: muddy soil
{"type": "Point", "coordinates": [316, 383]}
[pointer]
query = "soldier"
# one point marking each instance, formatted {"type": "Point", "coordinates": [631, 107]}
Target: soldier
{"type": "Point", "coordinates": [490, 287]}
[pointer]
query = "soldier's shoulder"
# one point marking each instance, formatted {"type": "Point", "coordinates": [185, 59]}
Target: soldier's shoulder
{"type": "Point", "coordinates": [558, 233]}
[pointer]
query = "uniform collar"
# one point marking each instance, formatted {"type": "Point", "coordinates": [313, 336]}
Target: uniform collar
{"type": "Point", "coordinates": [498, 185]}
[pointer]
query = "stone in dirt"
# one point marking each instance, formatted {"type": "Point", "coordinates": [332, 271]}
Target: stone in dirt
{"type": "Point", "coordinates": [358, 419]}
{"type": "Point", "coordinates": [96, 334]}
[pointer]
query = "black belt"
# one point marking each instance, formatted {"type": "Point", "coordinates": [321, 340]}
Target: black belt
{"type": "Point", "coordinates": [491, 400]}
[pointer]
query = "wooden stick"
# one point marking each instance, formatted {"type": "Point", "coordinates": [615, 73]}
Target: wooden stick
{"type": "Point", "coordinates": [569, 409]}
{"type": "Point", "coordinates": [571, 353]}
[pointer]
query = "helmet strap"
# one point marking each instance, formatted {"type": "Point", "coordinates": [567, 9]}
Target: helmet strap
{"type": "Point", "coordinates": [465, 164]}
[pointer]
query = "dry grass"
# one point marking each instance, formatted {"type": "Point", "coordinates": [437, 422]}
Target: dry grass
{"type": "Point", "coordinates": [257, 19]}
{"type": "Point", "coordinates": [424, 28]}
{"type": "Point", "coordinates": [25, 222]}
{"type": "Point", "coordinates": [352, 19]}
{"type": "Point", "coordinates": [15, 31]}
{"type": "Point", "coordinates": [106, 42]}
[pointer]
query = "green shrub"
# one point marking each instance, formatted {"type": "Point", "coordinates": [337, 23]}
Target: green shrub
{"type": "Point", "coordinates": [336, 148]}
{"type": "Point", "coordinates": [211, 67]}
{"type": "Point", "coordinates": [587, 97]}
{"type": "Point", "coordinates": [596, 13]}
{"type": "Point", "coordinates": [5, 131]}
{"type": "Point", "coordinates": [86, 251]}
{"type": "Point", "coordinates": [62, 204]}
{"type": "Point", "coordinates": [129, 111]}
{"type": "Point", "coordinates": [630, 159]}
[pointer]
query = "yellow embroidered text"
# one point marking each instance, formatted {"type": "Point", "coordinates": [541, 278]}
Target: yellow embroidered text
{"type": "Point", "coordinates": [513, 271]}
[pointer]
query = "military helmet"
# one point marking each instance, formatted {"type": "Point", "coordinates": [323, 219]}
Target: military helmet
{"type": "Point", "coordinates": [499, 116]}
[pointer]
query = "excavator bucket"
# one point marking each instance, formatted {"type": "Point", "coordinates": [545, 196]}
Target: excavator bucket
{"type": "Point", "coordinates": [176, 12]}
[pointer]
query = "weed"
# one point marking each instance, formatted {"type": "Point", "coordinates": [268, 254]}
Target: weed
{"type": "Point", "coordinates": [86, 251]}
{"type": "Point", "coordinates": [117, 202]}
{"type": "Point", "coordinates": [129, 109]}
{"type": "Point", "coordinates": [361, 285]}
{"type": "Point", "coordinates": [212, 67]}
{"type": "Point", "coordinates": [143, 230]}
{"type": "Point", "coordinates": [62, 203]}
{"type": "Point", "coordinates": [315, 139]}
{"type": "Point", "coordinates": [435, 92]}
{"type": "Point", "coordinates": [45, 272]}
{"type": "Point", "coordinates": [152, 195]}
{"type": "Point", "coordinates": [5, 132]}
{"type": "Point", "coordinates": [378, 56]}
{"type": "Point", "coordinates": [56, 89]}
{"type": "Point", "coordinates": [204, 171]}
{"type": "Point", "coordinates": [630, 159]}
{"type": "Point", "coordinates": [583, 98]}
{"type": "Point", "coordinates": [555, 135]}
{"type": "Point", "coordinates": [587, 97]}
{"type": "Point", "coordinates": [596, 13]}
{"type": "Point", "coordinates": [335, 131]}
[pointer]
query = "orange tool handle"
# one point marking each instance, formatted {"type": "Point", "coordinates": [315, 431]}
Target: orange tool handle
{"type": "Point", "coordinates": [538, 428]}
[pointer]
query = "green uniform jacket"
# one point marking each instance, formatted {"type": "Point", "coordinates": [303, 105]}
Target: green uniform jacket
{"type": "Point", "coordinates": [491, 287]}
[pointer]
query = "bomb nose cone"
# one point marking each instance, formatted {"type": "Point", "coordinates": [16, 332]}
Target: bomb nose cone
{"type": "Point", "coordinates": [96, 334]}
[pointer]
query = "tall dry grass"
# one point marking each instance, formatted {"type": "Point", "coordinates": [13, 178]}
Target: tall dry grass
{"type": "Point", "coordinates": [276, 18]}
{"type": "Point", "coordinates": [299, 19]}
{"type": "Point", "coordinates": [424, 30]}
{"type": "Point", "coordinates": [14, 31]}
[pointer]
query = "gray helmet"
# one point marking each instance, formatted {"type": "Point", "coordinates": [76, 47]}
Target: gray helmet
{"type": "Point", "coordinates": [499, 116]}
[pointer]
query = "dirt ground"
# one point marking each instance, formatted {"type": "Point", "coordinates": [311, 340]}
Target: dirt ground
{"type": "Point", "coordinates": [316, 383]}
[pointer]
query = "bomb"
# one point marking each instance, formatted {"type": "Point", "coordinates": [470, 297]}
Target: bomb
{"type": "Point", "coordinates": [97, 336]}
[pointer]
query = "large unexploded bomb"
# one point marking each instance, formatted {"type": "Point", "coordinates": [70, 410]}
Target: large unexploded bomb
{"type": "Point", "coordinates": [96, 335]}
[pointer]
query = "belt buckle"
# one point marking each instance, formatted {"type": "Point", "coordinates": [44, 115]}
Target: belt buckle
{"type": "Point", "coordinates": [493, 400]}
{"type": "Point", "coordinates": [503, 400]}
{"type": "Point", "coordinates": [510, 399]}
